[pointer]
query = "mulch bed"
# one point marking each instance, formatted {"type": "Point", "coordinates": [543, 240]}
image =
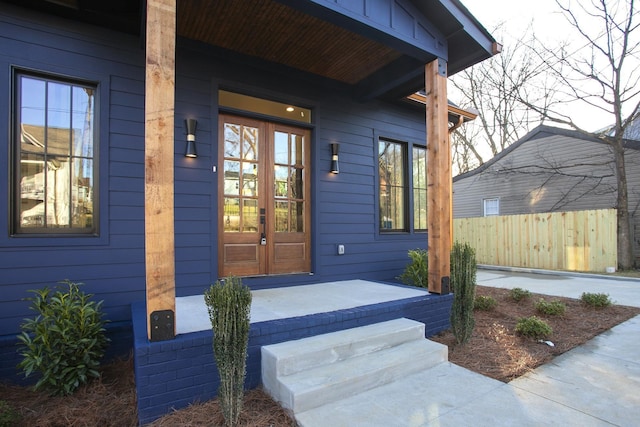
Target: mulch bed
{"type": "Point", "coordinates": [496, 351]}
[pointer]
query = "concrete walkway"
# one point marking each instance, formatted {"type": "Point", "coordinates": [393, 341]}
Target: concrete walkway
{"type": "Point", "coordinates": [597, 384]}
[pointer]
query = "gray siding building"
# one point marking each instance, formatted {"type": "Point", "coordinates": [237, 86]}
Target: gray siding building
{"type": "Point", "coordinates": [549, 170]}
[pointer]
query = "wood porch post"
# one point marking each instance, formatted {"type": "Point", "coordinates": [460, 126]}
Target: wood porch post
{"type": "Point", "coordinates": [438, 177]}
{"type": "Point", "coordinates": [158, 164]}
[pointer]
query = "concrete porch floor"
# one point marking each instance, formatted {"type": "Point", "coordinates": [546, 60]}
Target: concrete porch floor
{"type": "Point", "coordinates": [294, 301]}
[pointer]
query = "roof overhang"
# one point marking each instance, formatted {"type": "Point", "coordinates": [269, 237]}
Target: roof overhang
{"type": "Point", "coordinates": [371, 48]}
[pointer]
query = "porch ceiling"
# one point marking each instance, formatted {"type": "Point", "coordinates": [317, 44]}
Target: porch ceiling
{"type": "Point", "coordinates": [280, 34]}
{"type": "Point", "coordinates": [378, 53]}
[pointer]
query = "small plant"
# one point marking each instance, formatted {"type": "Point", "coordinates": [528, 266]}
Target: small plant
{"type": "Point", "coordinates": [229, 306]}
{"type": "Point", "coordinates": [484, 303]}
{"type": "Point", "coordinates": [8, 415]}
{"type": "Point", "coordinates": [65, 341]}
{"type": "Point", "coordinates": [519, 294]}
{"type": "Point", "coordinates": [596, 300]}
{"type": "Point", "coordinates": [463, 283]}
{"type": "Point", "coordinates": [416, 273]}
{"type": "Point", "coordinates": [552, 308]}
{"type": "Point", "coordinates": [533, 327]}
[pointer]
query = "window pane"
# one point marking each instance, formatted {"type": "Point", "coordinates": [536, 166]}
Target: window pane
{"type": "Point", "coordinates": [231, 214]}
{"type": "Point", "coordinates": [393, 200]}
{"type": "Point", "coordinates": [297, 217]}
{"type": "Point", "coordinates": [281, 148]}
{"type": "Point", "coordinates": [32, 115]}
{"type": "Point", "coordinates": [82, 124]}
{"type": "Point", "coordinates": [32, 207]}
{"type": "Point", "coordinates": [249, 143]}
{"type": "Point", "coordinates": [297, 183]}
{"type": "Point", "coordinates": [82, 193]}
{"type": "Point", "coordinates": [231, 177]}
{"type": "Point", "coordinates": [282, 216]}
{"type": "Point", "coordinates": [58, 192]}
{"type": "Point", "coordinates": [232, 140]}
{"type": "Point", "coordinates": [249, 179]}
{"type": "Point", "coordinates": [249, 215]}
{"type": "Point", "coordinates": [419, 170]}
{"type": "Point", "coordinates": [56, 156]}
{"type": "Point", "coordinates": [58, 119]}
{"type": "Point", "coordinates": [280, 181]}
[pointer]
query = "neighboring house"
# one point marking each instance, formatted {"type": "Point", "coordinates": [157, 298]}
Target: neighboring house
{"type": "Point", "coordinates": [549, 170]}
{"type": "Point", "coordinates": [266, 88]}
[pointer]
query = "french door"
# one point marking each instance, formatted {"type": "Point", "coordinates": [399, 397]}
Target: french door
{"type": "Point", "coordinates": [264, 215]}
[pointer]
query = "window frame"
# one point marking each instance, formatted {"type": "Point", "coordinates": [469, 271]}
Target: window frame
{"type": "Point", "coordinates": [405, 187]}
{"type": "Point", "coordinates": [97, 157]}
{"type": "Point", "coordinates": [415, 229]}
{"type": "Point", "coordinates": [484, 206]}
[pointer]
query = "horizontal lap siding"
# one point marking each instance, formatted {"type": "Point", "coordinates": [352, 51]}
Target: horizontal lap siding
{"type": "Point", "coordinates": [112, 266]}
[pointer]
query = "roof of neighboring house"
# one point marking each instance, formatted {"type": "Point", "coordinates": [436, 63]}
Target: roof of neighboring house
{"type": "Point", "coordinates": [542, 131]}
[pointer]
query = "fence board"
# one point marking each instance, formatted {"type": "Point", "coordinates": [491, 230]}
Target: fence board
{"type": "Point", "coordinates": [576, 241]}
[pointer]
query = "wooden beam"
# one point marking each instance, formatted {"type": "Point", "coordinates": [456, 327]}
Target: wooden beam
{"type": "Point", "coordinates": [158, 163]}
{"type": "Point", "coordinates": [438, 177]}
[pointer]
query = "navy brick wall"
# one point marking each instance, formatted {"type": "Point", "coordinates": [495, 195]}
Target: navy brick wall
{"type": "Point", "coordinates": [173, 374]}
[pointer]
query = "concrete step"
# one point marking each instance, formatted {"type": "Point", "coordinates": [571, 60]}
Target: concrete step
{"type": "Point", "coordinates": [294, 356]}
{"type": "Point", "coordinates": [346, 371]}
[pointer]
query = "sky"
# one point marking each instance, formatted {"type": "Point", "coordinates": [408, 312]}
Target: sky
{"type": "Point", "coordinates": [548, 23]}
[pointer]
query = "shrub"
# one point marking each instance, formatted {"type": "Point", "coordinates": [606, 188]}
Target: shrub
{"type": "Point", "coordinates": [533, 327]}
{"type": "Point", "coordinates": [229, 306]}
{"type": "Point", "coordinates": [519, 294]}
{"type": "Point", "coordinates": [463, 283]}
{"type": "Point", "coordinates": [8, 415]}
{"type": "Point", "coordinates": [416, 273]}
{"type": "Point", "coordinates": [65, 341]}
{"type": "Point", "coordinates": [596, 300]}
{"type": "Point", "coordinates": [552, 308]}
{"type": "Point", "coordinates": [484, 303]}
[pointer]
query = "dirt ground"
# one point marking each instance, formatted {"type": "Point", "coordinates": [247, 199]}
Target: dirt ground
{"type": "Point", "coordinates": [494, 350]}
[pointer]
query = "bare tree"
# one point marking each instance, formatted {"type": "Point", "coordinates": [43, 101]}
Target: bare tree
{"type": "Point", "coordinates": [493, 88]}
{"type": "Point", "coordinates": [601, 72]}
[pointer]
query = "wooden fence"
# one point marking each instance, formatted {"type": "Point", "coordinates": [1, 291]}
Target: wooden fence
{"type": "Point", "coordinates": [576, 241]}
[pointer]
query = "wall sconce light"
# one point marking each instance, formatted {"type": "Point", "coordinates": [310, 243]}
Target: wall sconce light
{"type": "Point", "coordinates": [191, 125]}
{"type": "Point", "coordinates": [334, 158]}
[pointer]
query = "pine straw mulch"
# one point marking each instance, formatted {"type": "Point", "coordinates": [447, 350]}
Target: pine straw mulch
{"type": "Point", "coordinates": [496, 351]}
{"type": "Point", "coordinates": [111, 402]}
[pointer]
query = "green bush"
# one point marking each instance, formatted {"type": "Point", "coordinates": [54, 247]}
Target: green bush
{"type": "Point", "coordinates": [463, 284]}
{"type": "Point", "coordinates": [552, 308]}
{"type": "Point", "coordinates": [519, 294]}
{"type": "Point", "coordinates": [416, 273]}
{"type": "Point", "coordinates": [65, 341]}
{"type": "Point", "coordinates": [484, 303]}
{"type": "Point", "coordinates": [9, 417]}
{"type": "Point", "coordinates": [596, 300]}
{"type": "Point", "coordinates": [229, 306]}
{"type": "Point", "coordinates": [533, 327]}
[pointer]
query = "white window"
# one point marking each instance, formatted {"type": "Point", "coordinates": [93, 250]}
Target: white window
{"type": "Point", "coordinates": [491, 206]}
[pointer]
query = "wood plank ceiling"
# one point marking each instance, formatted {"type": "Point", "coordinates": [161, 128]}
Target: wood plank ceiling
{"type": "Point", "coordinates": [275, 32]}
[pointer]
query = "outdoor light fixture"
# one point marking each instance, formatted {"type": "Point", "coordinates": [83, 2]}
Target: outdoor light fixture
{"type": "Point", "coordinates": [191, 125]}
{"type": "Point", "coordinates": [334, 158]}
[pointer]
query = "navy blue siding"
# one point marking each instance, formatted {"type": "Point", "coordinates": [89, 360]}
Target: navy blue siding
{"type": "Point", "coordinates": [112, 265]}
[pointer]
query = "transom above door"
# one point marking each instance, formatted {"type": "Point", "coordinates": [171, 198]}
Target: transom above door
{"type": "Point", "coordinates": [264, 215]}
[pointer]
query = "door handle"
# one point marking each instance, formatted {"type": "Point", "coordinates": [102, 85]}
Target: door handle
{"type": "Point", "coordinates": [263, 236]}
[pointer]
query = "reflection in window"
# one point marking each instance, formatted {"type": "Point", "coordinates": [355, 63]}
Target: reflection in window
{"type": "Point", "coordinates": [288, 182]}
{"type": "Point", "coordinates": [240, 178]}
{"type": "Point", "coordinates": [55, 156]}
{"type": "Point", "coordinates": [419, 169]}
{"type": "Point", "coordinates": [392, 177]}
